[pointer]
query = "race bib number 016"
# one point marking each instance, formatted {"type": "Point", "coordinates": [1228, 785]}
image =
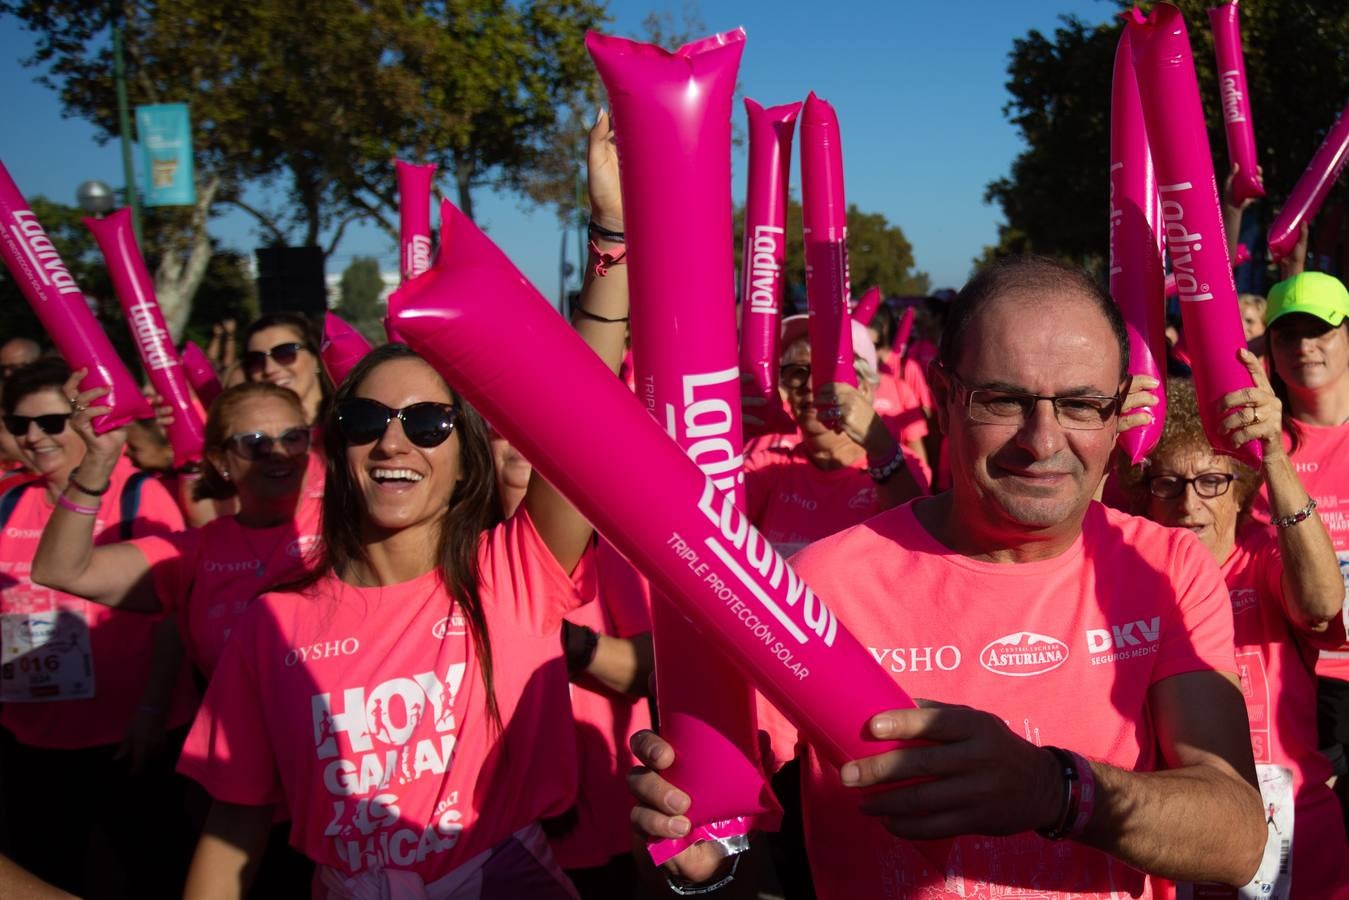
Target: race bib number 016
{"type": "Point", "coordinates": [45, 654]}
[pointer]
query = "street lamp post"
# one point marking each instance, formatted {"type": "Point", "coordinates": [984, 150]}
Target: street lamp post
{"type": "Point", "coordinates": [124, 122]}
{"type": "Point", "coordinates": [95, 198]}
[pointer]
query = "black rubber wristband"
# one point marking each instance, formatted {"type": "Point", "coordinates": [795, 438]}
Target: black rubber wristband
{"type": "Point", "coordinates": [92, 493]}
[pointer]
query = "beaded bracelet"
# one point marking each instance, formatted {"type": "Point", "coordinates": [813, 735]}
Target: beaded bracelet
{"type": "Point", "coordinates": [1299, 516]}
{"type": "Point", "coordinates": [881, 474]}
{"type": "Point", "coordinates": [74, 473]}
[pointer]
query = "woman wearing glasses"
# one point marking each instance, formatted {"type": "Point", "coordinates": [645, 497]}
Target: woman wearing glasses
{"type": "Point", "coordinates": [407, 704]}
{"type": "Point", "coordinates": [1286, 595]}
{"type": "Point", "coordinates": [282, 349]}
{"type": "Point", "coordinates": [73, 674]}
{"type": "Point", "coordinates": [257, 450]}
{"type": "Point", "coordinates": [847, 466]}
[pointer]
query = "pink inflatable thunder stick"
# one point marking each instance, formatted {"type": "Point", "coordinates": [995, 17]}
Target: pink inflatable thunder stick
{"type": "Point", "coordinates": [1226, 20]}
{"type": "Point", "coordinates": [763, 256]}
{"type": "Point", "coordinates": [824, 214]}
{"type": "Point", "coordinates": [342, 347]}
{"type": "Point", "coordinates": [672, 114]}
{"type": "Point", "coordinates": [1191, 217]}
{"type": "Point", "coordinates": [1136, 273]}
{"type": "Point", "coordinates": [201, 374]}
{"type": "Point", "coordinates": [136, 293]}
{"type": "Point", "coordinates": [658, 508]}
{"type": "Point", "coordinates": [63, 311]}
{"type": "Point", "coordinates": [1311, 189]}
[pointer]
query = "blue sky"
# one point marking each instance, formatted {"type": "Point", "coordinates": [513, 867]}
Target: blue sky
{"type": "Point", "coordinates": [918, 88]}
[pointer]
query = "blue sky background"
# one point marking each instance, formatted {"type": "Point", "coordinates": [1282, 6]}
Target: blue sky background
{"type": "Point", "coordinates": [919, 89]}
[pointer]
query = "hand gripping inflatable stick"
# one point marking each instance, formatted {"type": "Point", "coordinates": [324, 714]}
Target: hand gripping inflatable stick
{"type": "Point", "coordinates": [1136, 274]}
{"type": "Point", "coordinates": [1191, 218]}
{"type": "Point", "coordinates": [1226, 20]}
{"type": "Point", "coordinates": [56, 299]}
{"type": "Point", "coordinates": [1311, 189]}
{"type": "Point", "coordinates": [136, 293]}
{"type": "Point", "coordinates": [672, 114]}
{"type": "Point", "coordinates": [342, 347]}
{"type": "Point", "coordinates": [537, 382]}
{"type": "Point", "coordinates": [764, 253]}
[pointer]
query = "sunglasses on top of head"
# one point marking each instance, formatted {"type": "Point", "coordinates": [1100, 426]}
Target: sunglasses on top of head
{"type": "Point", "coordinates": [51, 423]}
{"type": "Point", "coordinates": [428, 424]}
{"type": "Point", "coordinates": [255, 361]}
{"type": "Point", "coordinates": [255, 445]}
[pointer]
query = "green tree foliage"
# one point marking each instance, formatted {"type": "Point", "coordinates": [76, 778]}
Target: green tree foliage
{"type": "Point", "coordinates": [361, 287]}
{"type": "Point", "coordinates": [313, 98]}
{"type": "Point", "coordinates": [1054, 199]}
{"type": "Point", "coordinates": [878, 255]}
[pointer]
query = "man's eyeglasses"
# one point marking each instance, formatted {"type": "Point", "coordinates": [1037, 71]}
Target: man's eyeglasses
{"type": "Point", "coordinates": [51, 423]}
{"type": "Point", "coordinates": [1208, 485]}
{"type": "Point", "coordinates": [255, 445]}
{"type": "Point", "coordinates": [1076, 412]}
{"type": "Point", "coordinates": [254, 362]}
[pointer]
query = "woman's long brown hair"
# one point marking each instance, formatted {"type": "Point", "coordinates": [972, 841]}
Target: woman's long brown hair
{"type": "Point", "coordinates": [474, 508]}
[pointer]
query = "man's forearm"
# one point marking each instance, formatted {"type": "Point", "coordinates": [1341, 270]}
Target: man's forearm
{"type": "Point", "coordinates": [1192, 824]}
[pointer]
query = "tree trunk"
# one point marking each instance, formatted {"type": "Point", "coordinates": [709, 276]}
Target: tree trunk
{"type": "Point", "coordinates": [463, 179]}
{"type": "Point", "coordinates": [182, 268]}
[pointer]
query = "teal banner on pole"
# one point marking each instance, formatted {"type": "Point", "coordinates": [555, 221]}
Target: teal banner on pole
{"type": "Point", "coordinates": [165, 133]}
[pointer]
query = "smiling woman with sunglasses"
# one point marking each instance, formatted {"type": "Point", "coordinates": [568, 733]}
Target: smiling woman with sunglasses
{"type": "Point", "coordinates": [257, 452]}
{"type": "Point", "coordinates": [1286, 594]}
{"type": "Point", "coordinates": [76, 686]}
{"type": "Point", "coordinates": [407, 704]}
{"type": "Point", "coordinates": [280, 348]}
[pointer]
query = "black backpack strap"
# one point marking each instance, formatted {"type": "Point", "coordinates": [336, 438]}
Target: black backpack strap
{"type": "Point", "coordinates": [131, 503]}
{"type": "Point", "coordinates": [10, 500]}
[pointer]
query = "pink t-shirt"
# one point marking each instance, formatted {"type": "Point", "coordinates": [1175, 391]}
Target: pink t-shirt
{"type": "Point", "coordinates": [210, 575]}
{"type": "Point", "coordinates": [898, 407]}
{"type": "Point", "coordinates": [1063, 650]}
{"type": "Point", "coordinates": [1276, 667]}
{"type": "Point", "coordinates": [94, 660]}
{"type": "Point", "coordinates": [793, 503]}
{"type": "Point", "coordinates": [1322, 464]}
{"type": "Point", "coordinates": [621, 607]}
{"type": "Point", "coordinates": [914, 374]}
{"type": "Point", "coordinates": [363, 711]}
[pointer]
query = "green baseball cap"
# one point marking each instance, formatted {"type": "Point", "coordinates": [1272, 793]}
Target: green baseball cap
{"type": "Point", "coordinates": [1314, 293]}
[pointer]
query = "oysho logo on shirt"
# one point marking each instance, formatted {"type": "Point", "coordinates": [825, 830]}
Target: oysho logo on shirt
{"type": "Point", "coordinates": [1119, 642]}
{"type": "Point", "coordinates": [1023, 653]}
{"type": "Point", "coordinates": [899, 660]}
{"type": "Point", "coordinates": [325, 650]}
{"type": "Point", "coordinates": [232, 568]}
{"type": "Point", "coordinates": [23, 534]}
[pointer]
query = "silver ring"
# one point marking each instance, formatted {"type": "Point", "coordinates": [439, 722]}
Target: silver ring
{"type": "Point", "coordinates": [1255, 417]}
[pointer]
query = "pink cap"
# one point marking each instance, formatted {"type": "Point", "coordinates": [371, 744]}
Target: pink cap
{"type": "Point", "coordinates": [794, 329]}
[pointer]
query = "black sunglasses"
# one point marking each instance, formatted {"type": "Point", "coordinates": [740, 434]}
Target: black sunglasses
{"type": "Point", "coordinates": [255, 445]}
{"type": "Point", "coordinates": [255, 361]}
{"type": "Point", "coordinates": [51, 423]}
{"type": "Point", "coordinates": [427, 425]}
